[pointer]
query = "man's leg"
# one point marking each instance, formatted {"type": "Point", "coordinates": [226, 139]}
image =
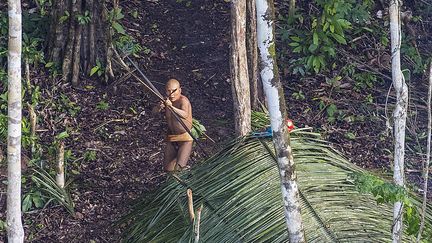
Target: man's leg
{"type": "Point", "coordinates": [184, 152]}
{"type": "Point", "coordinates": [170, 157]}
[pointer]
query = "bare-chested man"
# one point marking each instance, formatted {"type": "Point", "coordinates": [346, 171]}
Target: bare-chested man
{"type": "Point", "coordinates": [179, 142]}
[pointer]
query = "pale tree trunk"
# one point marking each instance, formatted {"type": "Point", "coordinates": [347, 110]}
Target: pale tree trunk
{"type": "Point", "coordinates": [252, 55]}
{"type": "Point", "coordinates": [399, 114]}
{"type": "Point", "coordinates": [428, 153]}
{"type": "Point", "coordinates": [60, 176]}
{"type": "Point", "coordinates": [239, 69]}
{"type": "Point", "coordinates": [277, 109]}
{"type": "Point", "coordinates": [15, 229]}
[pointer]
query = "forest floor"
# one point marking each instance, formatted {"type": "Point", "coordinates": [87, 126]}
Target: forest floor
{"type": "Point", "coordinates": [190, 43]}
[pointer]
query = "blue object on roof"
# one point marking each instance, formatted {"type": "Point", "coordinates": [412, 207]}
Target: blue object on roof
{"type": "Point", "coordinates": [267, 133]}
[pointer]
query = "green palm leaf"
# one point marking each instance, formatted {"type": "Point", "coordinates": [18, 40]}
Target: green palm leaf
{"type": "Point", "coordinates": [240, 191]}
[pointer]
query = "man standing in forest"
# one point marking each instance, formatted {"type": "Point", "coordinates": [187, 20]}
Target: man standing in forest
{"type": "Point", "coordinates": [179, 141]}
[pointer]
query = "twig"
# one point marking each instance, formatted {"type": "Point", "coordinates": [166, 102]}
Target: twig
{"type": "Point", "coordinates": [428, 152]}
{"type": "Point", "coordinates": [107, 122]}
{"type": "Point", "coordinates": [190, 204]}
{"type": "Point", "coordinates": [207, 136]}
{"type": "Point", "coordinates": [209, 78]}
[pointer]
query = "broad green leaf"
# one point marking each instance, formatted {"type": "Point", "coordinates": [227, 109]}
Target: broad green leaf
{"type": "Point", "coordinates": [312, 48]}
{"type": "Point", "coordinates": [94, 70]}
{"type": "Point", "coordinates": [326, 26]}
{"type": "Point", "coordinates": [62, 135]}
{"type": "Point", "coordinates": [345, 24]}
{"type": "Point", "coordinates": [27, 203]}
{"type": "Point", "coordinates": [118, 28]}
{"type": "Point", "coordinates": [295, 38]}
{"type": "Point", "coordinates": [298, 49]}
{"type": "Point", "coordinates": [49, 64]}
{"type": "Point", "coordinates": [315, 38]}
{"type": "Point", "coordinates": [38, 202]}
{"type": "Point", "coordinates": [339, 38]}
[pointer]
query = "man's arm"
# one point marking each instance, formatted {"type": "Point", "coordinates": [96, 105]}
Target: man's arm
{"type": "Point", "coordinates": [183, 111]}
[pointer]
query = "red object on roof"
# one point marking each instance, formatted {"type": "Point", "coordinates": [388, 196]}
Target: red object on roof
{"type": "Point", "coordinates": [290, 125]}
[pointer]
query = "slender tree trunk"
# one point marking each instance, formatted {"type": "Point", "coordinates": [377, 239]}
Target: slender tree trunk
{"type": "Point", "coordinates": [32, 113]}
{"type": "Point", "coordinates": [428, 153]}
{"type": "Point", "coordinates": [60, 176]}
{"type": "Point", "coordinates": [278, 115]}
{"type": "Point", "coordinates": [15, 229]}
{"type": "Point", "coordinates": [400, 114]}
{"type": "Point", "coordinates": [239, 69]}
{"type": "Point", "coordinates": [252, 57]}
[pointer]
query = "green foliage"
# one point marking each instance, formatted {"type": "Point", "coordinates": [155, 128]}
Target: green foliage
{"type": "Point", "coordinates": [122, 41]}
{"type": "Point", "coordinates": [102, 105]}
{"type": "Point", "coordinates": [3, 39]}
{"type": "Point", "coordinates": [33, 199]}
{"type": "Point", "coordinates": [48, 185]}
{"type": "Point", "coordinates": [187, 3]}
{"type": "Point", "coordinates": [331, 110]}
{"type": "Point", "coordinates": [44, 5]}
{"type": "Point", "coordinates": [363, 80]}
{"type": "Point", "coordinates": [114, 17]}
{"type": "Point", "coordinates": [350, 135]}
{"type": "Point", "coordinates": [416, 60]}
{"type": "Point", "coordinates": [386, 192]}
{"type": "Point", "coordinates": [198, 129]}
{"type": "Point", "coordinates": [98, 69]}
{"type": "Point", "coordinates": [90, 155]}
{"type": "Point", "coordinates": [3, 126]}
{"type": "Point", "coordinates": [66, 105]}
{"type": "Point", "coordinates": [84, 18]}
{"type": "Point", "coordinates": [128, 45]}
{"type": "Point", "coordinates": [53, 68]}
{"type": "Point", "coordinates": [3, 76]}
{"type": "Point", "coordinates": [298, 95]}
{"type": "Point", "coordinates": [134, 14]}
{"type": "Point", "coordinates": [62, 136]}
{"type": "Point", "coordinates": [327, 30]}
{"type": "Point", "coordinates": [64, 17]}
{"type": "Point", "coordinates": [32, 50]}
{"type": "Point", "coordinates": [3, 225]}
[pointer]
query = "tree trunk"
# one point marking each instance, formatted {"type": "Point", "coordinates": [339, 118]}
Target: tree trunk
{"type": "Point", "coordinates": [400, 114]}
{"type": "Point", "coordinates": [239, 69]}
{"type": "Point", "coordinates": [428, 154]}
{"type": "Point", "coordinates": [76, 45]}
{"type": "Point", "coordinates": [15, 229]}
{"type": "Point", "coordinates": [60, 176]}
{"type": "Point", "coordinates": [252, 56]}
{"type": "Point", "coordinates": [278, 116]}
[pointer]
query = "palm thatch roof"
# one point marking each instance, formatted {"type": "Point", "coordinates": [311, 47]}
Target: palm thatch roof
{"type": "Point", "coordinates": [239, 190]}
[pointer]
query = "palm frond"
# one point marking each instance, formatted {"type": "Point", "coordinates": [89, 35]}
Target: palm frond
{"type": "Point", "coordinates": [48, 184]}
{"type": "Point", "coordinates": [239, 188]}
